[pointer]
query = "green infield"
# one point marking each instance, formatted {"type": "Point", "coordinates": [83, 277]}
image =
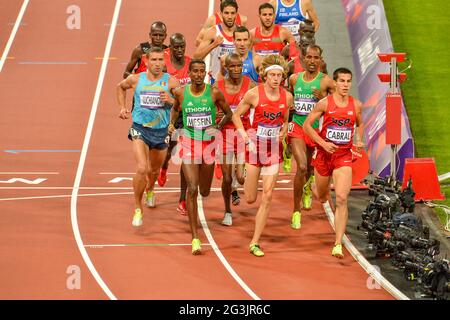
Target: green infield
{"type": "Point", "coordinates": [421, 28]}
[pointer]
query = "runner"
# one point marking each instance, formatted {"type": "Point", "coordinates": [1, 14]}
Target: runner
{"type": "Point", "coordinates": [333, 158]}
{"type": "Point", "coordinates": [217, 19]}
{"type": "Point", "coordinates": [308, 88]}
{"type": "Point", "coordinates": [153, 101]}
{"type": "Point", "coordinates": [218, 40]}
{"type": "Point", "coordinates": [271, 104]}
{"type": "Point", "coordinates": [158, 34]}
{"type": "Point", "coordinates": [251, 61]}
{"type": "Point", "coordinates": [233, 87]}
{"type": "Point", "coordinates": [269, 38]}
{"type": "Point", "coordinates": [199, 103]}
{"type": "Point", "coordinates": [177, 65]}
{"type": "Point", "coordinates": [290, 13]}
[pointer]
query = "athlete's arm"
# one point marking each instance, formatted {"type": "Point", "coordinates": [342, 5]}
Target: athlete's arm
{"type": "Point", "coordinates": [252, 38]}
{"type": "Point", "coordinates": [243, 20]}
{"type": "Point", "coordinates": [274, 3]}
{"type": "Point", "coordinates": [222, 104]}
{"type": "Point", "coordinates": [292, 81]}
{"type": "Point", "coordinates": [135, 55]}
{"type": "Point", "coordinates": [314, 115]}
{"type": "Point", "coordinates": [311, 12]}
{"type": "Point", "coordinates": [359, 131]}
{"type": "Point", "coordinates": [209, 43]}
{"type": "Point", "coordinates": [210, 22]}
{"type": "Point", "coordinates": [287, 37]}
{"type": "Point", "coordinates": [249, 100]}
{"type": "Point", "coordinates": [290, 103]}
{"type": "Point", "coordinates": [121, 93]}
{"type": "Point", "coordinates": [326, 87]}
{"type": "Point", "coordinates": [257, 60]}
{"type": "Point", "coordinates": [167, 96]}
{"type": "Point", "coordinates": [223, 71]}
{"type": "Point", "coordinates": [175, 111]}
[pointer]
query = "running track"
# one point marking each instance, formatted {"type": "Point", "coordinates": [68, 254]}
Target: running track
{"type": "Point", "coordinates": [48, 107]}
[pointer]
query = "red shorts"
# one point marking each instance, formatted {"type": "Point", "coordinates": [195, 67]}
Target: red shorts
{"type": "Point", "coordinates": [325, 162]}
{"type": "Point", "coordinates": [296, 131]}
{"type": "Point", "coordinates": [197, 151]}
{"type": "Point", "coordinates": [267, 153]}
{"type": "Point", "coordinates": [232, 142]}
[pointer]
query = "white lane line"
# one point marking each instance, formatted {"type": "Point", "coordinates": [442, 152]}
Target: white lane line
{"type": "Point", "coordinates": [366, 265]}
{"type": "Point", "coordinates": [53, 62]}
{"type": "Point", "coordinates": [87, 138]}
{"type": "Point", "coordinates": [219, 254]}
{"type": "Point", "coordinates": [99, 246]}
{"type": "Point", "coordinates": [13, 33]}
{"type": "Point", "coordinates": [118, 188]}
{"type": "Point", "coordinates": [208, 57]}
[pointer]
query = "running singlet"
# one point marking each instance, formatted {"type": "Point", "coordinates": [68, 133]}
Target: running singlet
{"type": "Point", "coordinates": [304, 100]}
{"type": "Point", "coordinates": [290, 17]}
{"type": "Point", "coordinates": [219, 19]}
{"type": "Point", "coordinates": [182, 74]}
{"type": "Point", "coordinates": [339, 123]}
{"type": "Point", "coordinates": [264, 45]}
{"type": "Point", "coordinates": [142, 62]}
{"type": "Point", "coordinates": [269, 115]}
{"type": "Point", "coordinates": [234, 100]}
{"type": "Point", "coordinates": [226, 47]}
{"type": "Point", "coordinates": [199, 113]}
{"type": "Point", "coordinates": [149, 110]}
{"type": "Point", "coordinates": [248, 68]}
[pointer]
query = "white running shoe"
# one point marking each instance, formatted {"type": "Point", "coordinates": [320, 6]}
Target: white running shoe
{"type": "Point", "coordinates": [137, 218]}
{"type": "Point", "coordinates": [150, 199]}
{"type": "Point", "coordinates": [227, 219]}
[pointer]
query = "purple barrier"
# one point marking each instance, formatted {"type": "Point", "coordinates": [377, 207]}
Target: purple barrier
{"type": "Point", "coordinates": [369, 35]}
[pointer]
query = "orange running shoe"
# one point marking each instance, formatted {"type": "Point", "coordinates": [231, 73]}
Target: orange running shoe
{"type": "Point", "coordinates": [162, 178]}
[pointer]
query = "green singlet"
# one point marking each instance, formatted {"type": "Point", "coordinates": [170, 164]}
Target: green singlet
{"type": "Point", "coordinates": [199, 113]}
{"type": "Point", "coordinates": [304, 99]}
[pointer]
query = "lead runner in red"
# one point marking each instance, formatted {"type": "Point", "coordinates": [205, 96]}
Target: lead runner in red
{"type": "Point", "coordinates": [271, 104]}
{"type": "Point", "coordinates": [333, 159]}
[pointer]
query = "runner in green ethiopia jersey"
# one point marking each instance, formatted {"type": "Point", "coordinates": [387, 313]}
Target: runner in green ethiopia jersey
{"type": "Point", "coordinates": [198, 102]}
{"type": "Point", "coordinates": [308, 88]}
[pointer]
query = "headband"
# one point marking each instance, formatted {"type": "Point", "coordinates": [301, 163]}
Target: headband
{"type": "Point", "coordinates": [274, 67]}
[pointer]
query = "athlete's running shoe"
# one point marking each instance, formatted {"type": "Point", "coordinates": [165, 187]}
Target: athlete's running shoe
{"type": "Point", "coordinates": [227, 219]}
{"type": "Point", "coordinates": [287, 158]}
{"type": "Point", "coordinates": [182, 208]}
{"type": "Point", "coordinates": [255, 249]}
{"type": "Point", "coordinates": [137, 218]}
{"type": "Point", "coordinates": [162, 178]}
{"type": "Point", "coordinates": [296, 221]}
{"type": "Point", "coordinates": [218, 171]}
{"type": "Point", "coordinates": [150, 199]}
{"type": "Point", "coordinates": [307, 194]}
{"type": "Point", "coordinates": [235, 199]}
{"type": "Point", "coordinates": [196, 247]}
{"type": "Point", "coordinates": [337, 251]}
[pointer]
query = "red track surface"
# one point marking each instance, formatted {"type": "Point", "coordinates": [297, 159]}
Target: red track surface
{"type": "Point", "coordinates": [48, 106]}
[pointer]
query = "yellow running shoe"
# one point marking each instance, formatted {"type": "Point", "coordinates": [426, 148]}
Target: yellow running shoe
{"type": "Point", "coordinates": [255, 249]}
{"type": "Point", "coordinates": [307, 194]}
{"type": "Point", "coordinates": [287, 160]}
{"type": "Point", "coordinates": [137, 218]}
{"type": "Point", "coordinates": [150, 199]}
{"type": "Point", "coordinates": [196, 247]}
{"type": "Point", "coordinates": [296, 222]}
{"type": "Point", "coordinates": [337, 251]}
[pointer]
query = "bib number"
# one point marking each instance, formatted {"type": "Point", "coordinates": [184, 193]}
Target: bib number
{"type": "Point", "coordinates": [339, 135]}
{"type": "Point", "coordinates": [303, 108]}
{"type": "Point", "coordinates": [197, 121]}
{"type": "Point", "coordinates": [150, 100]}
{"type": "Point", "coordinates": [267, 132]}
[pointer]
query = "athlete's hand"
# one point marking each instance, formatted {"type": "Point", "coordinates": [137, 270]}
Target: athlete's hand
{"type": "Point", "coordinates": [124, 113]}
{"type": "Point", "coordinates": [330, 147]}
{"type": "Point", "coordinates": [166, 98]}
{"type": "Point", "coordinates": [212, 131]}
{"type": "Point", "coordinates": [317, 94]}
{"type": "Point", "coordinates": [218, 41]}
{"type": "Point", "coordinates": [251, 147]}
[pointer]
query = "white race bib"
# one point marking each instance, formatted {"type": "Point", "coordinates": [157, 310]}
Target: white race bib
{"type": "Point", "coordinates": [199, 120]}
{"type": "Point", "coordinates": [267, 131]}
{"type": "Point", "coordinates": [292, 26]}
{"type": "Point", "coordinates": [339, 135]}
{"type": "Point", "coordinates": [150, 100]}
{"type": "Point", "coordinates": [303, 107]}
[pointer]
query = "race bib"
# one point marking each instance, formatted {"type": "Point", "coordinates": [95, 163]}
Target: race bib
{"type": "Point", "coordinates": [226, 49]}
{"type": "Point", "coordinates": [267, 52]}
{"type": "Point", "coordinates": [233, 107]}
{"type": "Point", "coordinates": [292, 26]}
{"type": "Point", "coordinates": [199, 120]}
{"type": "Point", "coordinates": [303, 107]}
{"type": "Point", "coordinates": [267, 131]}
{"type": "Point", "coordinates": [150, 100]}
{"type": "Point", "coordinates": [339, 135]}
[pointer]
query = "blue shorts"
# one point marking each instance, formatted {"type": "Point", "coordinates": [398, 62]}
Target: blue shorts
{"type": "Point", "coordinates": [154, 138]}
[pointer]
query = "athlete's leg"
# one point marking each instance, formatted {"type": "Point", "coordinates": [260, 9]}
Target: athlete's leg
{"type": "Point", "coordinates": [172, 145]}
{"type": "Point", "coordinates": [227, 179]}
{"type": "Point", "coordinates": [141, 154]}
{"type": "Point", "coordinates": [191, 173]}
{"type": "Point", "coordinates": [342, 179]}
{"type": "Point", "coordinates": [156, 159]}
{"type": "Point", "coordinates": [183, 185]}
{"type": "Point", "coordinates": [205, 179]}
{"type": "Point", "coordinates": [269, 182]}
{"type": "Point", "coordinates": [299, 150]}
{"type": "Point", "coordinates": [251, 183]}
